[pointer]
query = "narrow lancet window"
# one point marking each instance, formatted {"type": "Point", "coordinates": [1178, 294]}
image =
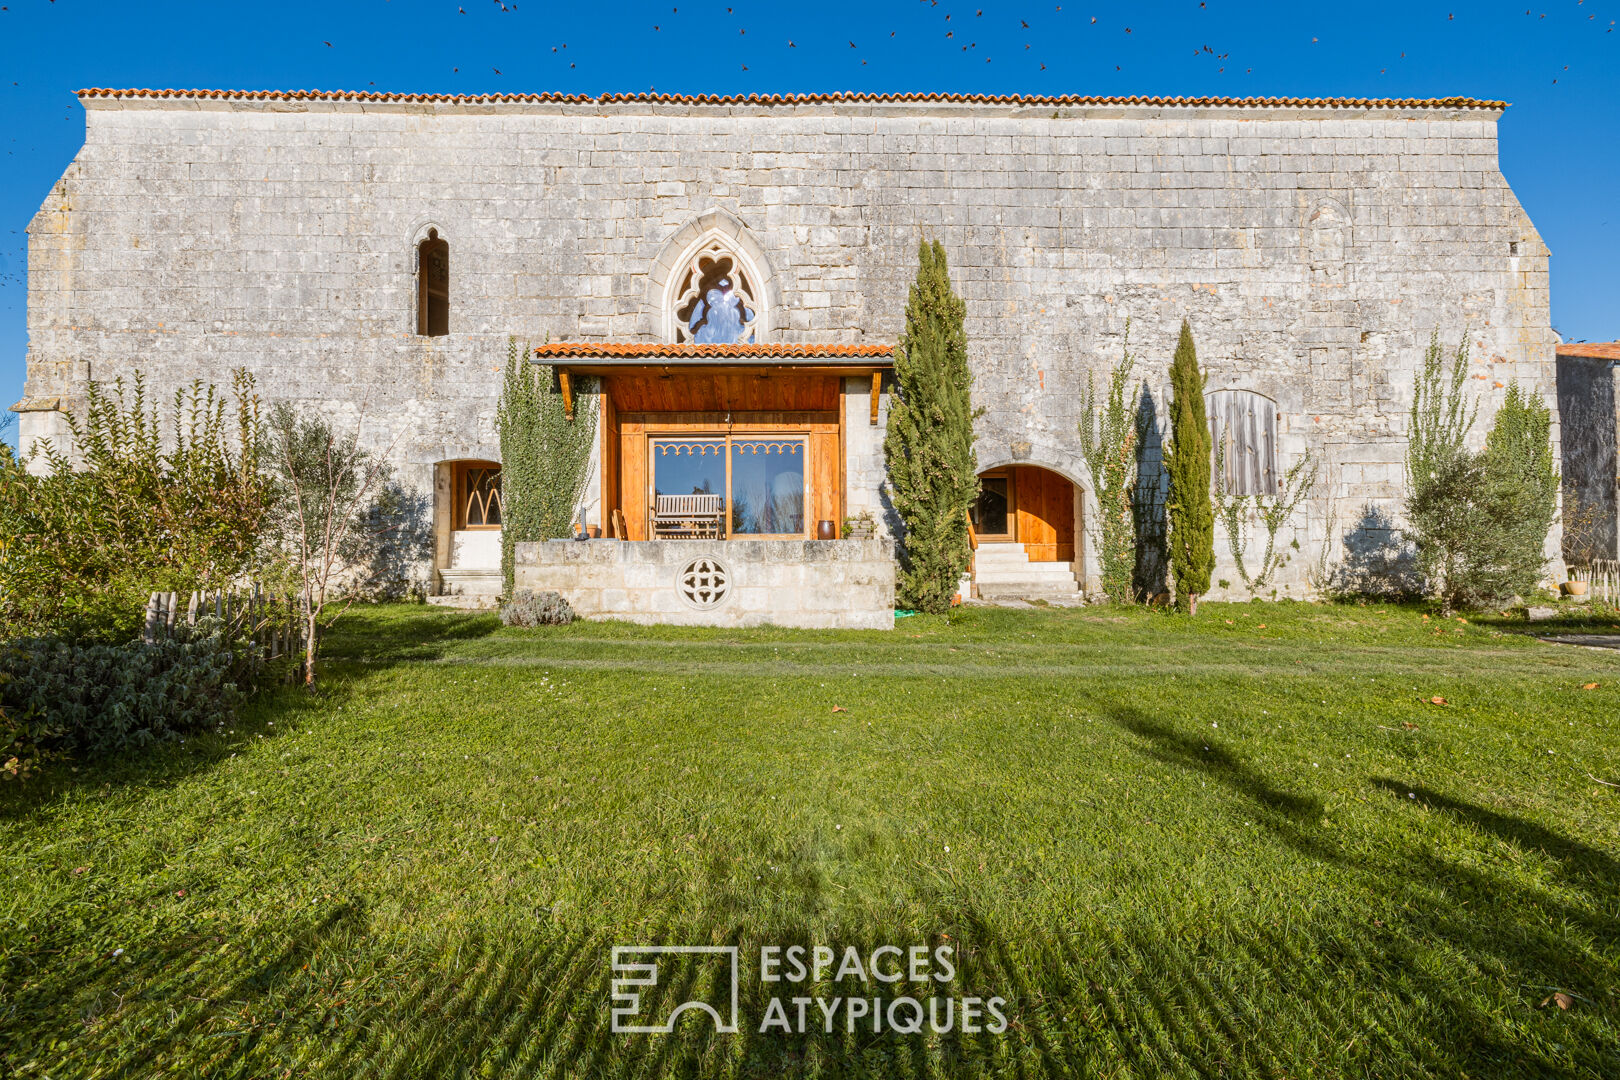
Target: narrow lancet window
{"type": "Point", "coordinates": [433, 286]}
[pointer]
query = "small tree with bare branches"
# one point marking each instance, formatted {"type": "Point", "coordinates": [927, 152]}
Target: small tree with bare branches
{"type": "Point", "coordinates": [336, 501]}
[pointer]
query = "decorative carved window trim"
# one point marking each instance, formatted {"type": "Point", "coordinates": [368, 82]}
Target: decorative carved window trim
{"type": "Point", "coordinates": [708, 262]}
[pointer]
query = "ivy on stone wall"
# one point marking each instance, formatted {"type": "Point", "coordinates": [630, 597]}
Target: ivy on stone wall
{"type": "Point", "coordinates": [1272, 512]}
{"type": "Point", "coordinates": [545, 456]}
{"type": "Point", "coordinates": [1108, 434]}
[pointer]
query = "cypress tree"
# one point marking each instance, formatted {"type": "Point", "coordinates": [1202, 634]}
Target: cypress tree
{"type": "Point", "coordinates": [928, 447]}
{"type": "Point", "coordinates": [1192, 516]}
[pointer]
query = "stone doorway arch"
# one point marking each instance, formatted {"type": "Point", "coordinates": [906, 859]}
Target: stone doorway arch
{"type": "Point", "coordinates": [1030, 524]}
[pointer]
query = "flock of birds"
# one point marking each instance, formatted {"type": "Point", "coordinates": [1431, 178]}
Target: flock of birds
{"type": "Point", "coordinates": [956, 30]}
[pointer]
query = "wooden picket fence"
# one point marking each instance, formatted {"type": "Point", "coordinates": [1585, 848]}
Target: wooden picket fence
{"type": "Point", "coordinates": [270, 622]}
{"type": "Point", "coordinates": [1602, 577]}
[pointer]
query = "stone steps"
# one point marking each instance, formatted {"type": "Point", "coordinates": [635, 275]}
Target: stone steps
{"type": "Point", "coordinates": [1005, 572]}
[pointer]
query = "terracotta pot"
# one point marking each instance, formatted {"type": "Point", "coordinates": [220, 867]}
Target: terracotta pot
{"type": "Point", "coordinates": [594, 531]}
{"type": "Point", "coordinates": [1575, 588]}
{"type": "Point", "coordinates": [826, 530]}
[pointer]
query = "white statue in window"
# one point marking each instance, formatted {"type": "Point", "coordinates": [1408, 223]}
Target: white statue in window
{"type": "Point", "coordinates": [720, 316]}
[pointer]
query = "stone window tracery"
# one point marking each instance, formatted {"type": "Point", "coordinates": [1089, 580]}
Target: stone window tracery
{"type": "Point", "coordinates": [716, 302]}
{"type": "Point", "coordinates": [478, 496]}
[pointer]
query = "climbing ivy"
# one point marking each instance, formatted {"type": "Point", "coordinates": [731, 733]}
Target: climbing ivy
{"type": "Point", "coordinates": [545, 455]}
{"type": "Point", "coordinates": [1108, 440]}
{"type": "Point", "coordinates": [1271, 511]}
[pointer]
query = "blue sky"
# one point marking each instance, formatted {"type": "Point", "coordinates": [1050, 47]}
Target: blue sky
{"type": "Point", "coordinates": [1558, 63]}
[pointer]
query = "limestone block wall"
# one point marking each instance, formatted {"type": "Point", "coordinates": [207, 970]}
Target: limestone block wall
{"type": "Point", "coordinates": [845, 584]}
{"type": "Point", "coordinates": [1313, 247]}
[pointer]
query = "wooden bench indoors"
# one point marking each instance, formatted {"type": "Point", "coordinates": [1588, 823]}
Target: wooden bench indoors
{"type": "Point", "coordinates": [688, 517]}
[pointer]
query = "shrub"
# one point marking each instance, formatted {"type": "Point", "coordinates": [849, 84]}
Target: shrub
{"type": "Point", "coordinates": [337, 509]}
{"type": "Point", "coordinates": [529, 608]}
{"type": "Point", "coordinates": [1518, 451]}
{"type": "Point", "coordinates": [60, 698]}
{"type": "Point", "coordinates": [144, 505]}
{"type": "Point", "coordinates": [928, 447]}
{"type": "Point", "coordinates": [1479, 520]}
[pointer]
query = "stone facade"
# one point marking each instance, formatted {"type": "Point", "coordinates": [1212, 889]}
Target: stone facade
{"type": "Point", "coordinates": [1313, 246]}
{"type": "Point", "coordinates": [847, 584]}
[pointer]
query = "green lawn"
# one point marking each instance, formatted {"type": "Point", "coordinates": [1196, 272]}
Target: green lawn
{"type": "Point", "coordinates": [1246, 846]}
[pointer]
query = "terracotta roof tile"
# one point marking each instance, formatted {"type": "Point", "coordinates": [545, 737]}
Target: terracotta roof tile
{"type": "Point", "coordinates": [630, 350]}
{"type": "Point", "coordinates": [796, 99]}
{"type": "Point", "coordinates": [1596, 350]}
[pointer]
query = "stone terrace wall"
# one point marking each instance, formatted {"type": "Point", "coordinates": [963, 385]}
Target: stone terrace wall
{"type": "Point", "coordinates": [847, 584]}
{"type": "Point", "coordinates": [1313, 250]}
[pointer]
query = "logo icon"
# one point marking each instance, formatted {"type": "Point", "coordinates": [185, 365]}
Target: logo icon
{"type": "Point", "coordinates": [640, 965]}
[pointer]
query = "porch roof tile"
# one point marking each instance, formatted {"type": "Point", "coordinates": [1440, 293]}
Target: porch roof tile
{"type": "Point", "coordinates": [789, 100]}
{"type": "Point", "coordinates": [1596, 350]}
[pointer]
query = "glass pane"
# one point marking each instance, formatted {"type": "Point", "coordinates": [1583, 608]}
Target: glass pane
{"type": "Point", "coordinates": [689, 466]}
{"type": "Point", "coordinates": [767, 487]}
{"type": "Point", "coordinates": [483, 495]}
{"type": "Point", "coordinates": [990, 511]}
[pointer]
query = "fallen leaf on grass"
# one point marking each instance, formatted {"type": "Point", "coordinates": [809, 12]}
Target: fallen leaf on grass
{"type": "Point", "coordinates": [1408, 725]}
{"type": "Point", "coordinates": [839, 708]}
{"type": "Point", "coordinates": [1438, 700]}
{"type": "Point", "coordinates": [1560, 999]}
{"type": "Point", "coordinates": [80, 869]}
{"type": "Point", "coordinates": [1590, 686]}
{"type": "Point", "coordinates": [1262, 626]}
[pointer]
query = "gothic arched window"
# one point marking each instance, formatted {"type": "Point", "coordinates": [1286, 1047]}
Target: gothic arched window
{"type": "Point", "coordinates": [716, 301]}
{"type": "Point", "coordinates": [1243, 438]}
{"type": "Point", "coordinates": [433, 286]}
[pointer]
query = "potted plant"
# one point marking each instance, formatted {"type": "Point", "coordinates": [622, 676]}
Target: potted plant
{"type": "Point", "coordinates": [861, 526]}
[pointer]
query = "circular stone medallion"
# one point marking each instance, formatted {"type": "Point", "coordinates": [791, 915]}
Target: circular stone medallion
{"type": "Point", "coordinates": [704, 583]}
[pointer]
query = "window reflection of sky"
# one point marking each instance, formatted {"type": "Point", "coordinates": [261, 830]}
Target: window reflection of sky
{"type": "Point", "coordinates": [767, 487]}
{"type": "Point", "coordinates": [689, 466]}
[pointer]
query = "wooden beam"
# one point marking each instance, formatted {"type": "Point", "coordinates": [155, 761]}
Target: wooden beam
{"type": "Point", "coordinates": [566, 382]}
{"type": "Point", "coordinates": [877, 390]}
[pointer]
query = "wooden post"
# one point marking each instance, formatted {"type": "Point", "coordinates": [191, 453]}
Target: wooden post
{"type": "Point", "coordinates": [565, 381]}
{"type": "Point", "coordinates": [154, 619]}
{"type": "Point", "coordinates": [877, 394]}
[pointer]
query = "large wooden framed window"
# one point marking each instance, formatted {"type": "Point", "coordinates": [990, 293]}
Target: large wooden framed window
{"type": "Point", "coordinates": [478, 495]}
{"type": "Point", "coordinates": [762, 480]}
{"type": "Point", "coordinates": [433, 286]}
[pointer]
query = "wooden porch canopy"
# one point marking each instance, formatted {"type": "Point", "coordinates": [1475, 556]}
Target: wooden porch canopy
{"type": "Point", "coordinates": [664, 360]}
{"type": "Point", "coordinates": [750, 410]}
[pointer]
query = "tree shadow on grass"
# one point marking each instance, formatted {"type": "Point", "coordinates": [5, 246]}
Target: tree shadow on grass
{"type": "Point", "coordinates": [1292, 817]}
